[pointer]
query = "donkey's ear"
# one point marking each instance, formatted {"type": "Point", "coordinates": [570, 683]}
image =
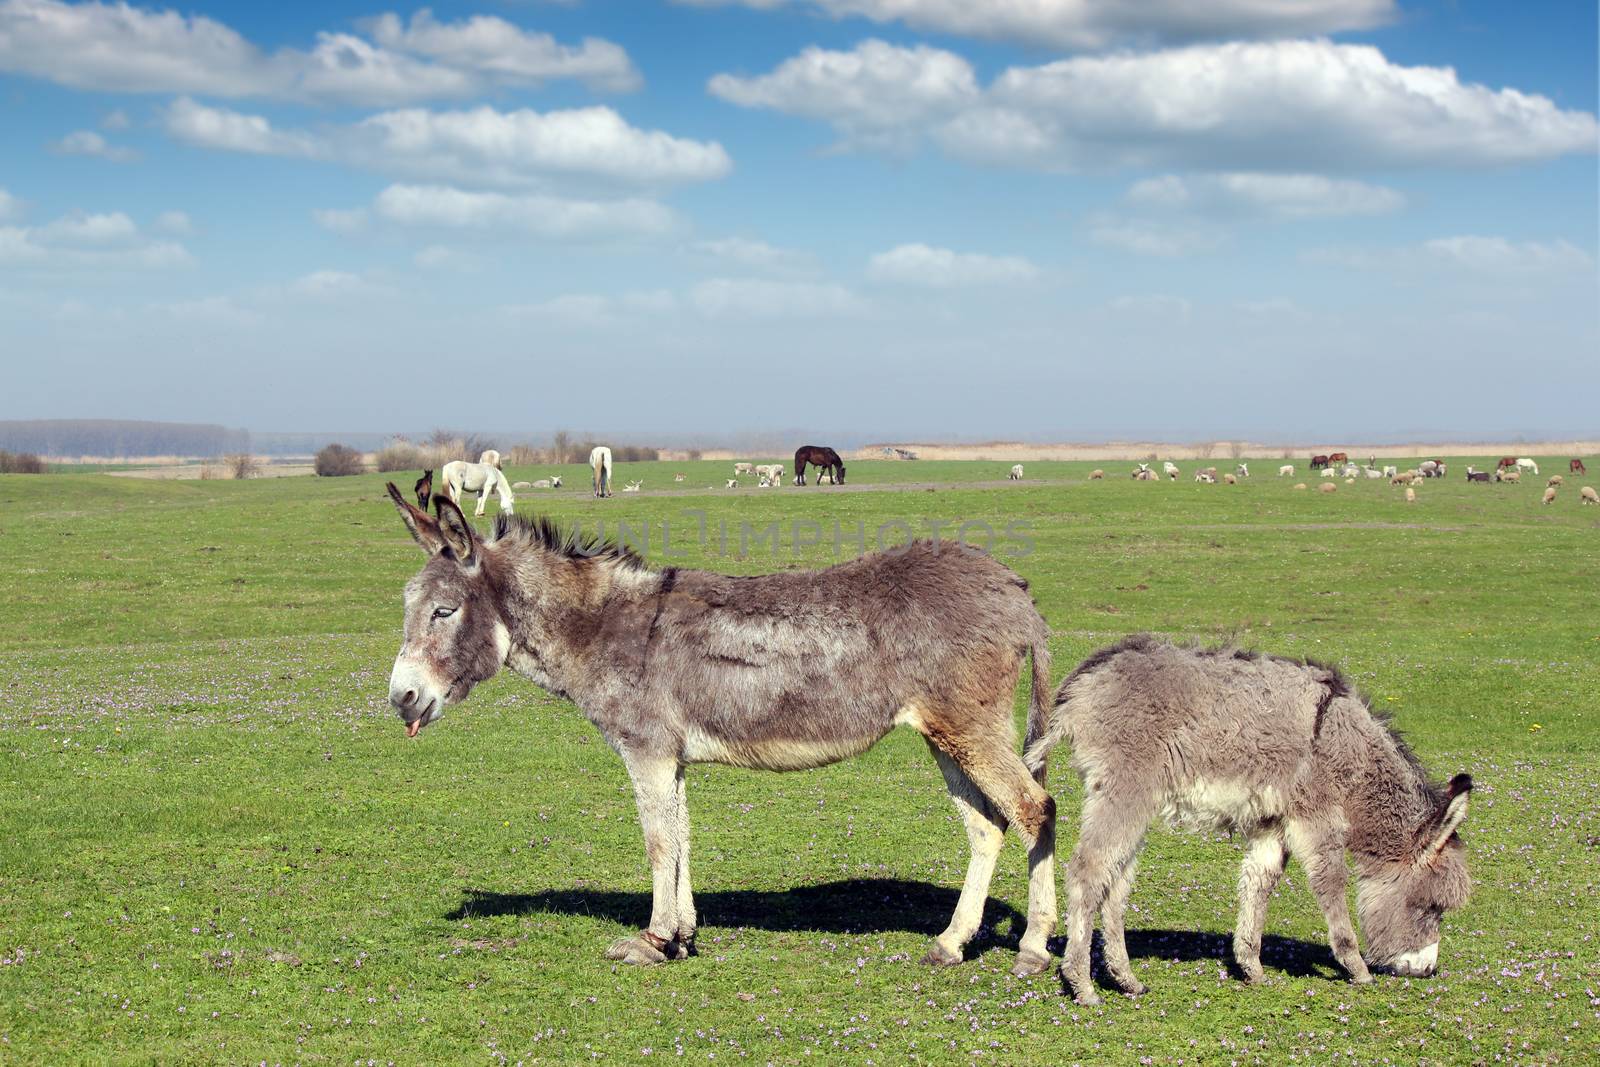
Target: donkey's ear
{"type": "Point", "coordinates": [1458, 794]}
{"type": "Point", "coordinates": [423, 528]}
{"type": "Point", "coordinates": [456, 531]}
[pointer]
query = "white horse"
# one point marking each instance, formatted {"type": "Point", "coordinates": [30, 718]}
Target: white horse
{"type": "Point", "coordinates": [490, 458]}
{"type": "Point", "coordinates": [1526, 464]}
{"type": "Point", "coordinates": [481, 478]}
{"type": "Point", "coordinates": [600, 463]}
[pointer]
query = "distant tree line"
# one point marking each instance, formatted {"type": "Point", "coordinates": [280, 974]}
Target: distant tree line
{"type": "Point", "coordinates": [120, 437]}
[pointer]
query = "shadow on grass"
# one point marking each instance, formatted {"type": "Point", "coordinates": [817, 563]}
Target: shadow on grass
{"type": "Point", "coordinates": [1283, 955]}
{"type": "Point", "coordinates": [853, 906]}
{"type": "Point", "coordinates": [882, 905]}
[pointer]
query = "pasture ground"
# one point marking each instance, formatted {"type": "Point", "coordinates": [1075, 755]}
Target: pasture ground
{"type": "Point", "coordinates": [217, 845]}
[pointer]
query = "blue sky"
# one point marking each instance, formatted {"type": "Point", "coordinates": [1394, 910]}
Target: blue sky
{"type": "Point", "coordinates": [1052, 219]}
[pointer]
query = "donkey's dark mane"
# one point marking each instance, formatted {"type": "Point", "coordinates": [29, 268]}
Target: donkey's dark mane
{"type": "Point", "coordinates": [545, 533]}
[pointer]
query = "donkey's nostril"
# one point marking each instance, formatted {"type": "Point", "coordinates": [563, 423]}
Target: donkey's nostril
{"type": "Point", "coordinates": [410, 698]}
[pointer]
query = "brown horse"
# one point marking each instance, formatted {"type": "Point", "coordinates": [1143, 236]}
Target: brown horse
{"type": "Point", "coordinates": [1338, 457]}
{"type": "Point", "coordinates": [1506, 461]}
{"type": "Point", "coordinates": [1576, 467]}
{"type": "Point", "coordinates": [821, 457]}
{"type": "Point", "coordinates": [424, 489]}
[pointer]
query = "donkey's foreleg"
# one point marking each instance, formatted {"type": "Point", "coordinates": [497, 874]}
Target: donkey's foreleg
{"type": "Point", "coordinates": [986, 831]}
{"type": "Point", "coordinates": [1258, 877]}
{"type": "Point", "coordinates": [1321, 852]}
{"type": "Point", "coordinates": [685, 895]}
{"type": "Point", "coordinates": [654, 787]}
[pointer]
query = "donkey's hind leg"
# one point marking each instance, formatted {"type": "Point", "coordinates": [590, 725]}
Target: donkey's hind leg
{"type": "Point", "coordinates": [986, 831]}
{"type": "Point", "coordinates": [1116, 941]}
{"type": "Point", "coordinates": [1108, 840]}
{"type": "Point", "coordinates": [982, 746]}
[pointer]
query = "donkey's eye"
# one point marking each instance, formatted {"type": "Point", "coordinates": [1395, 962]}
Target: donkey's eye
{"type": "Point", "coordinates": [443, 613]}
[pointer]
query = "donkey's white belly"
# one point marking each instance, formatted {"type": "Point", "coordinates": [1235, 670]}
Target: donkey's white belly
{"type": "Point", "coordinates": [777, 754]}
{"type": "Point", "coordinates": [1210, 804]}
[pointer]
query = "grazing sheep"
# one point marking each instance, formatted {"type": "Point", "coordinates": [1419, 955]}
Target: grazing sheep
{"type": "Point", "coordinates": [632, 487]}
{"type": "Point", "coordinates": [1373, 472]}
{"type": "Point", "coordinates": [1286, 469]}
{"type": "Point", "coordinates": [546, 483]}
{"type": "Point", "coordinates": [1411, 495]}
{"type": "Point", "coordinates": [1550, 495]}
{"type": "Point", "coordinates": [1242, 470]}
{"type": "Point", "coordinates": [1403, 478]}
{"type": "Point", "coordinates": [1555, 480]}
{"type": "Point", "coordinates": [733, 483]}
{"type": "Point", "coordinates": [1206, 474]}
{"type": "Point", "coordinates": [1328, 472]}
{"type": "Point", "coordinates": [743, 468]}
{"type": "Point", "coordinates": [1299, 485]}
{"type": "Point", "coordinates": [1390, 471]}
{"type": "Point", "coordinates": [1587, 495]}
{"type": "Point", "coordinates": [1016, 472]}
{"type": "Point", "coordinates": [1506, 475]}
{"type": "Point", "coordinates": [1350, 470]}
{"type": "Point", "coordinates": [522, 485]}
{"type": "Point", "coordinates": [1097, 475]}
{"type": "Point", "coordinates": [1230, 479]}
{"type": "Point", "coordinates": [677, 477]}
{"type": "Point", "coordinates": [1147, 476]}
{"type": "Point", "coordinates": [772, 472]}
{"type": "Point", "coordinates": [1139, 471]}
{"type": "Point", "coordinates": [1349, 481]}
{"type": "Point", "coordinates": [1327, 487]}
{"type": "Point", "coordinates": [1170, 469]}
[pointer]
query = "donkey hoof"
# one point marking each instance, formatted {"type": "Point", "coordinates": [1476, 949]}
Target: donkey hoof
{"type": "Point", "coordinates": [1088, 998]}
{"type": "Point", "coordinates": [1254, 975]}
{"type": "Point", "coordinates": [1029, 964]}
{"type": "Point", "coordinates": [939, 956]}
{"type": "Point", "coordinates": [635, 951]}
{"type": "Point", "coordinates": [1132, 987]}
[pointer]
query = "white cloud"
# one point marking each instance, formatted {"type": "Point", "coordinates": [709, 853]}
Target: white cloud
{"type": "Point", "coordinates": [333, 285]}
{"type": "Point", "coordinates": [1308, 105]}
{"type": "Point", "coordinates": [1286, 196]}
{"type": "Point", "coordinates": [118, 47]}
{"type": "Point", "coordinates": [115, 119]}
{"type": "Point", "coordinates": [1498, 255]}
{"type": "Point", "coordinates": [719, 298]}
{"type": "Point", "coordinates": [747, 252]}
{"type": "Point", "coordinates": [341, 220]}
{"type": "Point", "coordinates": [594, 310]}
{"type": "Point", "coordinates": [174, 222]}
{"type": "Point", "coordinates": [80, 228]}
{"type": "Point", "coordinates": [89, 143]}
{"type": "Point", "coordinates": [480, 145]}
{"type": "Point", "coordinates": [507, 146]}
{"type": "Point", "coordinates": [86, 241]}
{"type": "Point", "coordinates": [1476, 254]}
{"type": "Point", "coordinates": [876, 95]}
{"type": "Point", "coordinates": [214, 127]}
{"type": "Point", "coordinates": [1157, 306]}
{"type": "Point", "coordinates": [543, 216]}
{"type": "Point", "coordinates": [10, 206]}
{"type": "Point", "coordinates": [443, 257]}
{"type": "Point", "coordinates": [1149, 238]}
{"type": "Point", "coordinates": [496, 47]}
{"type": "Point", "coordinates": [920, 264]}
{"type": "Point", "coordinates": [1096, 23]}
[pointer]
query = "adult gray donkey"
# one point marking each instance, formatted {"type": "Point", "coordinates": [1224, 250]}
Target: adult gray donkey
{"type": "Point", "coordinates": [1281, 751]}
{"type": "Point", "coordinates": [779, 672]}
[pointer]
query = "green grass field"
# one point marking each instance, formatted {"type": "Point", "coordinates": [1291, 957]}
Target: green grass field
{"type": "Point", "coordinates": [216, 843]}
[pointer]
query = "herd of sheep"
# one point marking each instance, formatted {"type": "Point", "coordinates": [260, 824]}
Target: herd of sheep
{"type": "Point", "coordinates": [1509, 471]}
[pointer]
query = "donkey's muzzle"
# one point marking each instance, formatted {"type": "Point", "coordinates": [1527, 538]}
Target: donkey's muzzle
{"type": "Point", "coordinates": [415, 711]}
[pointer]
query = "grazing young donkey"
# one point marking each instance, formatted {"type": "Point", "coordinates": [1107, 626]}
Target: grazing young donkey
{"type": "Point", "coordinates": [1278, 750]}
{"type": "Point", "coordinates": [780, 672]}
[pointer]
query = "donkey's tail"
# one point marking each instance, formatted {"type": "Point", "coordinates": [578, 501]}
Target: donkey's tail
{"type": "Point", "coordinates": [1039, 724]}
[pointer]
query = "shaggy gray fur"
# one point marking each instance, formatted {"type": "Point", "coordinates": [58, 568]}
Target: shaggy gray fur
{"type": "Point", "coordinates": [778, 672]}
{"type": "Point", "coordinates": [1280, 751]}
